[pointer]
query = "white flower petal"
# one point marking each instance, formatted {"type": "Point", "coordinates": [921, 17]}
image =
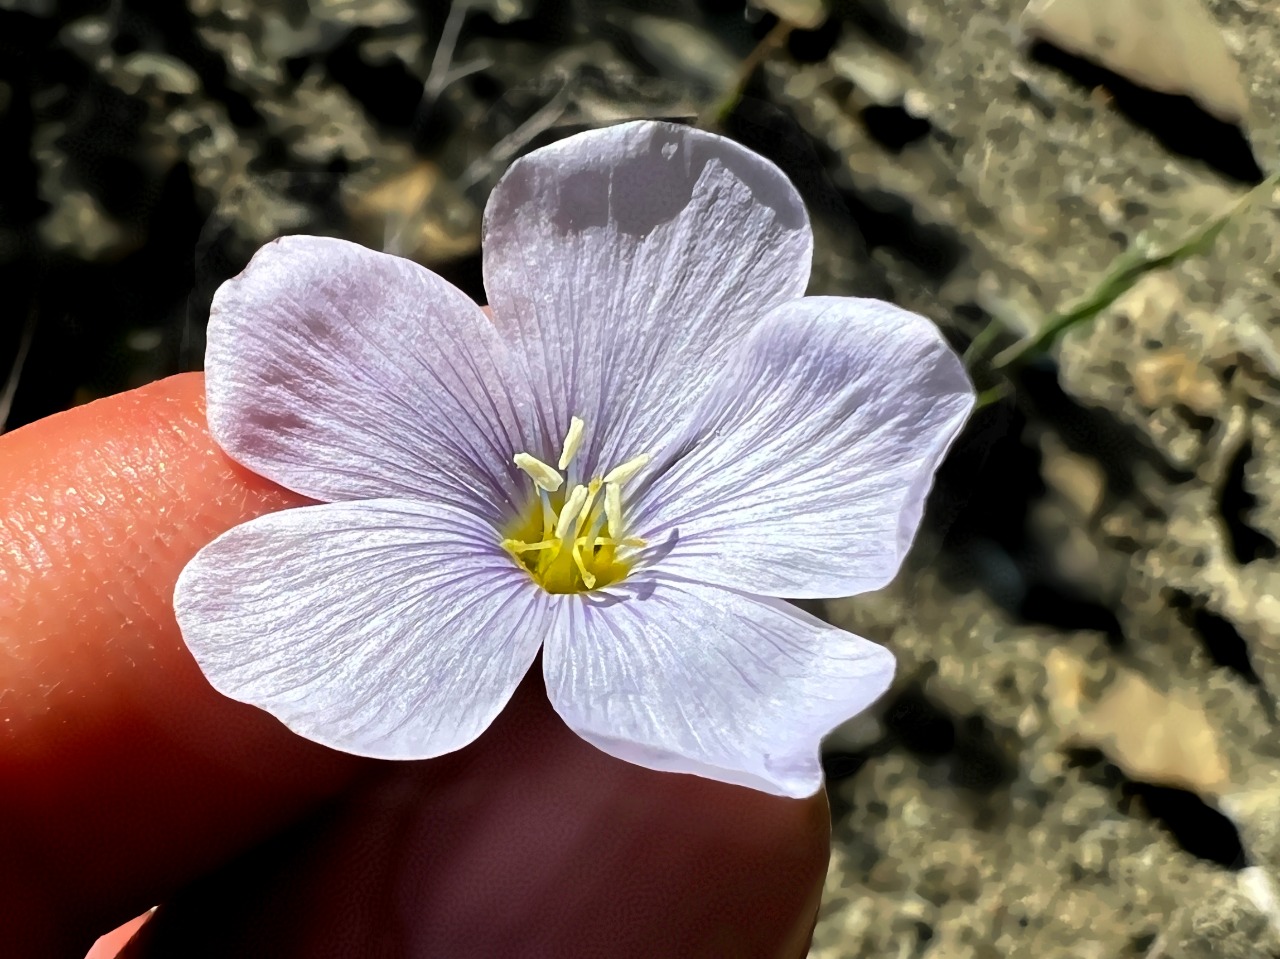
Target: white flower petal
{"type": "Point", "coordinates": [347, 374]}
{"type": "Point", "coordinates": [805, 471]}
{"type": "Point", "coordinates": [385, 628]}
{"type": "Point", "coordinates": [624, 263]}
{"type": "Point", "coordinates": [683, 677]}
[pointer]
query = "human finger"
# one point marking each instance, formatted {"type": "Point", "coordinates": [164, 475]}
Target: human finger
{"type": "Point", "coordinates": [123, 774]}
{"type": "Point", "coordinates": [529, 843]}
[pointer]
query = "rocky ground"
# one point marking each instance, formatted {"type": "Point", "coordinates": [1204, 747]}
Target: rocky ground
{"type": "Point", "coordinates": [1079, 758]}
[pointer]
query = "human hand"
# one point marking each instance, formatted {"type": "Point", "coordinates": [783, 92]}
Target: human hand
{"type": "Point", "coordinates": [126, 780]}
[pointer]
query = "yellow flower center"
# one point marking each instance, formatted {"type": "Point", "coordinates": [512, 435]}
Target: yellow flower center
{"type": "Point", "coordinates": [571, 540]}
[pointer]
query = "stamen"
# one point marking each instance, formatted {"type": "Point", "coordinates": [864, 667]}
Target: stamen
{"type": "Point", "coordinates": [519, 546]}
{"type": "Point", "coordinates": [588, 577]}
{"type": "Point", "coordinates": [593, 488]}
{"type": "Point", "coordinates": [596, 526]}
{"type": "Point", "coordinates": [579, 521]}
{"type": "Point", "coordinates": [548, 514]}
{"type": "Point", "coordinates": [543, 476]}
{"type": "Point", "coordinates": [613, 507]}
{"type": "Point", "coordinates": [620, 474]}
{"type": "Point", "coordinates": [569, 512]}
{"type": "Point", "coordinates": [572, 441]}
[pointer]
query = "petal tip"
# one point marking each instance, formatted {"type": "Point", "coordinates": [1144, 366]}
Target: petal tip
{"type": "Point", "coordinates": [637, 175]}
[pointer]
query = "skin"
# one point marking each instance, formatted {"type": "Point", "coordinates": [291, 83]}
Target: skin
{"type": "Point", "coordinates": [127, 781]}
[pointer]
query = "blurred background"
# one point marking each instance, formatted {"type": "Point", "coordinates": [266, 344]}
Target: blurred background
{"type": "Point", "coordinates": [1079, 757]}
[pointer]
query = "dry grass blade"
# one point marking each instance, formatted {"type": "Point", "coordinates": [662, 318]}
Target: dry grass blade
{"type": "Point", "coordinates": [15, 371]}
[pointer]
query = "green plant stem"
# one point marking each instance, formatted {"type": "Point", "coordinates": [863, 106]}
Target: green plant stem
{"type": "Point", "coordinates": [977, 348]}
{"type": "Point", "coordinates": [1130, 267]}
{"type": "Point", "coordinates": [992, 395]}
{"type": "Point", "coordinates": [719, 111]}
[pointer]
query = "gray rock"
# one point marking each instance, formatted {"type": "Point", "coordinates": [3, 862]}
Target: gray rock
{"type": "Point", "coordinates": [1166, 517]}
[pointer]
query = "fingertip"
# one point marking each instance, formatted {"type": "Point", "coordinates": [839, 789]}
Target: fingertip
{"type": "Point", "coordinates": [123, 942]}
{"type": "Point", "coordinates": [125, 772]}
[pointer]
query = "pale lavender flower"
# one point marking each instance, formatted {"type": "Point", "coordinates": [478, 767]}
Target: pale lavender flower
{"type": "Point", "coordinates": [654, 439]}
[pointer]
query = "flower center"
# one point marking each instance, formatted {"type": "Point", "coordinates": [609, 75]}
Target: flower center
{"type": "Point", "coordinates": [572, 539]}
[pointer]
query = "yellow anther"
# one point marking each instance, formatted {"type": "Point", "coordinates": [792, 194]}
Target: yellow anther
{"type": "Point", "coordinates": [543, 476]}
{"type": "Point", "coordinates": [620, 474]}
{"type": "Point", "coordinates": [573, 504]}
{"type": "Point", "coordinates": [572, 441]}
{"type": "Point", "coordinates": [613, 507]}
